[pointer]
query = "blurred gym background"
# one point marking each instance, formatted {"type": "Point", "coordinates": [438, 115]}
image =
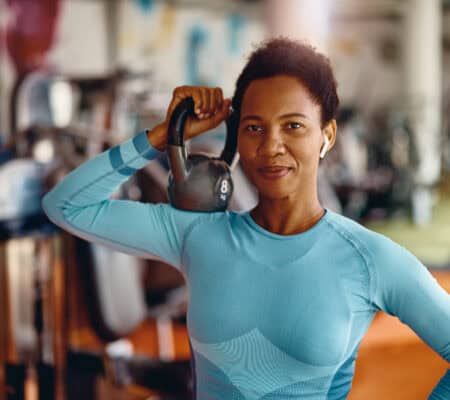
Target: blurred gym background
{"type": "Point", "coordinates": [79, 321]}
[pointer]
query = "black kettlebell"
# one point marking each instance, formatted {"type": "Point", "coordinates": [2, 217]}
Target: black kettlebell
{"type": "Point", "coordinates": [198, 182]}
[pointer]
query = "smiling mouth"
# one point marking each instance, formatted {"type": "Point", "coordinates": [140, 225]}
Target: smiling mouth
{"type": "Point", "coordinates": [274, 172]}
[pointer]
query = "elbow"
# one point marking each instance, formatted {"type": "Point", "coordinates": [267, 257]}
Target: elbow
{"type": "Point", "coordinates": [52, 209]}
{"type": "Point", "coordinates": [445, 352]}
{"type": "Point", "coordinates": [65, 215]}
{"type": "Point", "coordinates": [46, 204]}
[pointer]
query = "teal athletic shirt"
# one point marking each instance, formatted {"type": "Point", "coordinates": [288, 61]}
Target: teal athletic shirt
{"type": "Point", "coordinates": [270, 316]}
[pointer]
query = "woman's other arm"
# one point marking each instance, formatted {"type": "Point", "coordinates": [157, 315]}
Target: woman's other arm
{"type": "Point", "coordinates": [405, 288]}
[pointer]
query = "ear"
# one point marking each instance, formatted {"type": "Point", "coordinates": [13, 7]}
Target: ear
{"type": "Point", "coordinates": [330, 131]}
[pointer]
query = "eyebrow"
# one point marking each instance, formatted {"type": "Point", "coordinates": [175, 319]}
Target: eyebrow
{"type": "Point", "coordinates": [280, 117]}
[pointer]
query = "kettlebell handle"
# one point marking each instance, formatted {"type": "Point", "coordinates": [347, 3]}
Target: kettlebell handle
{"type": "Point", "coordinates": [175, 134]}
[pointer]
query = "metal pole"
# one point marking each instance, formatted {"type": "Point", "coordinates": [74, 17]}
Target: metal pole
{"type": "Point", "coordinates": [423, 83]}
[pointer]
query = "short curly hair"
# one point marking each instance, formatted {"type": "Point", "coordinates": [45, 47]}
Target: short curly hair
{"type": "Point", "coordinates": [285, 56]}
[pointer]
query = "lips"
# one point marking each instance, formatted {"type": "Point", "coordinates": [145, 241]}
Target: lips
{"type": "Point", "coordinates": [274, 172]}
{"type": "Point", "coordinates": [276, 168]}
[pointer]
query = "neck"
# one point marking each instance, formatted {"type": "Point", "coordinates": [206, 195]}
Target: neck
{"type": "Point", "coordinates": [289, 215]}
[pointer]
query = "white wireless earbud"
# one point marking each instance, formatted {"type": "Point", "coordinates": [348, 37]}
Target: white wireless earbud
{"type": "Point", "coordinates": [325, 146]}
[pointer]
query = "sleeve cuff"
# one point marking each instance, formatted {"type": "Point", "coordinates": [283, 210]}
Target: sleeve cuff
{"type": "Point", "coordinates": [143, 147]}
{"type": "Point", "coordinates": [133, 154]}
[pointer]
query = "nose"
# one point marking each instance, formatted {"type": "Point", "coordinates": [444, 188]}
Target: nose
{"type": "Point", "coordinates": [271, 143]}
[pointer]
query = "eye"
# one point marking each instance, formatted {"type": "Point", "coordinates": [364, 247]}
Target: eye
{"type": "Point", "coordinates": [253, 128]}
{"type": "Point", "coordinates": [295, 125]}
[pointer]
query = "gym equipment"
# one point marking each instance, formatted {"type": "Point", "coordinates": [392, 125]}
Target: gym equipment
{"type": "Point", "coordinates": [31, 336]}
{"type": "Point", "coordinates": [198, 182]}
{"type": "Point", "coordinates": [20, 197]}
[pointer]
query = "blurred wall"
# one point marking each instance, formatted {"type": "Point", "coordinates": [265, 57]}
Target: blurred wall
{"type": "Point", "coordinates": [208, 45]}
{"type": "Point", "coordinates": [182, 45]}
{"type": "Point", "coordinates": [187, 45]}
{"type": "Point", "coordinates": [366, 55]}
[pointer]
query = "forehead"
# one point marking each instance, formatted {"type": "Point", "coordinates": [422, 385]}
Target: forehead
{"type": "Point", "coordinates": [277, 95]}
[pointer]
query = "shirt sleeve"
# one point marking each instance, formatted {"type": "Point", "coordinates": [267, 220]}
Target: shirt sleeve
{"type": "Point", "coordinates": [81, 204]}
{"type": "Point", "coordinates": [405, 288]}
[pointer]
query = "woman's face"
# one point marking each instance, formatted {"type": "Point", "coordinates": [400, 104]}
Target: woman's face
{"type": "Point", "coordinates": [280, 126]}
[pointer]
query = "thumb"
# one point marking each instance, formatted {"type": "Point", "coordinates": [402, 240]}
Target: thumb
{"type": "Point", "coordinates": [223, 112]}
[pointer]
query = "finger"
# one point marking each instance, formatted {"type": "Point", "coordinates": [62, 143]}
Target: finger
{"type": "Point", "coordinates": [209, 101]}
{"type": "Point", "coordinates": [198, 101]}
{"type": "Point", "coordinates": [226, 106]}
{"type": "Point", "coordinates": [214, 101]}
{"type": "Point", "coordinates": [218, 99]}
{"type": "Point", "coordinates": [179, 94]}
{"type": "Point", "coordinates": [201, 102]}
{"type": "Point", "coordinates": [173, 101]}
{"type": "Point", "coordinates": [222, 113]}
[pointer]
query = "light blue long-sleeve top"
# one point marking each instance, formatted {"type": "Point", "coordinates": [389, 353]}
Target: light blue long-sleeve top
{"type": "Point", "coordinates": [269, 316]}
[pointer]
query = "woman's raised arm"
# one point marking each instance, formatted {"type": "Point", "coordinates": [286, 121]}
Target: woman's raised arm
{"type": "Point", "coordinates": [81, 204]}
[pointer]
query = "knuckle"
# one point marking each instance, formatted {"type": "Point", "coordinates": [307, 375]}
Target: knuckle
{"type": "Point", "coordinates": [220, 95]}
{"type": "Point", "coordinates": [178, 89]}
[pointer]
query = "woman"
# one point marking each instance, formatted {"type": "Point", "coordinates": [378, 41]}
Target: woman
{"type": "Point", "coordinates": [279, 296]}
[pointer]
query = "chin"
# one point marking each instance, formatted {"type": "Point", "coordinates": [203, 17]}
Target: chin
{"type": "Point", "coordinates": [273, 191]}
